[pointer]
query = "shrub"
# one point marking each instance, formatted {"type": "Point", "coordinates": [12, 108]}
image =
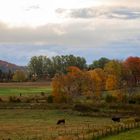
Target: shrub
{"type": "Point", "coordinates": [125, 98]}
{"type": "Point", "coordinates": [42, 94]}
{"type": "Point", "coordinates": [27, 100]}
{"type": "Point", "coordinates": [14, 99]}
{"type": "Point", "coordinates": [136, 98]}
{"type": "Point", "coordinates": [1, 99]}
{"type": "Point", "coordinates": [50, 99]}
{"type": "Point", "coordinates": [109, 98]}
{"type": "Point", "coordinates": [85, 108]}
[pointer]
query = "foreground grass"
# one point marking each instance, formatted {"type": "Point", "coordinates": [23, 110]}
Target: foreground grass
{"type": "Point", "coordinates": [22, 123]}
{"type": "Point", "coordinates": [129, 135]}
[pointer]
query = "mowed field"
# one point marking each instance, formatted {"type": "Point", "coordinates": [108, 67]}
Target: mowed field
{"type": "Point", "coordinates": [27, 88]}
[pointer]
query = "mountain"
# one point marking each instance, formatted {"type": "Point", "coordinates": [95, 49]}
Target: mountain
{"type": "Point", "coordinates": [6, 66]}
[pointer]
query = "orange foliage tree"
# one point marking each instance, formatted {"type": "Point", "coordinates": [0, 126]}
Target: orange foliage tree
{"type": "Point", "coordinates": [97, 77]}
{"type": "Point", "coordinates": [111, 82]}
{"type": "Point", "coordinates": [73, 84]}
{"type": "Point", "coordinates": [132, 70]}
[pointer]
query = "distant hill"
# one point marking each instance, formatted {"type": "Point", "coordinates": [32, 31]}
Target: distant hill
{"type": "Point", "coordinates": [6, 66]}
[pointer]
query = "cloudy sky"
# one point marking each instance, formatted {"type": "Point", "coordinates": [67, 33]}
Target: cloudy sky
{"type": "Point", "coordinates": [89, 28]}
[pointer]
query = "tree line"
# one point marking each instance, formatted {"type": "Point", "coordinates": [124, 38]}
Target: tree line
{"type": "Point", "coordinates": [11, 76]}
{"type": "Point", "coordinates": [43, 67]}
{"type": "Point", "coordinates": [111, 75]}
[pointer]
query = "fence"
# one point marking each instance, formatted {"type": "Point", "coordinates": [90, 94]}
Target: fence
{"type": "Point", "coordinates": [83, 132]}
{"type": "Point", "coordinates": [93, 132]}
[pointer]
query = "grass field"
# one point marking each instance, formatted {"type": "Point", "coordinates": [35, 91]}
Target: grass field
{"type": "Point", "coordinates": [20, 123]}
{"type": "Point", "coordinates": [39, 124]}
{"type": "Point", "coordinates": [13, 89]}
{"type": "Point", "coordinates": [10, 91]}
{"type": "Point", "coordinates": [130, 135]}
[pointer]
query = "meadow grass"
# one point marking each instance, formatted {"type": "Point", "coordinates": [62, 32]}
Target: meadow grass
{"type": "Point", "coordinates": [20, 123]}
{"type": "Point", "coordinates": [13, 91]}
{"type": "Point", "coordinates": [25, 88]}
{"type": "Point", "coordinates": [129, 135]}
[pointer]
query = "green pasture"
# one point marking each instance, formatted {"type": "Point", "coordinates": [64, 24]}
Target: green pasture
{"type": "Point", "coordinates": [129, 135]}
{"type": "Point", "coordinates": [13, 91]}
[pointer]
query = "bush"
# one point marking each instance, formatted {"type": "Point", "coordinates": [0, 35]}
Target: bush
{"type": "Point", "coordinates": [125, 98]}
{"type": "Point", "coordinates": [42, 94]}
{"type": "Point", "coordinates": [1, 99]}
{"type": "Point", "coordinates": [85, 108]}
{"type": "Point", "coordinates": [109, 98]}
{"type": "Point", "coordinates": [14, 99]}
{"type": "Point", "coordinates": [50, 99]}
{"type": "Point", "coordinates": [136, 98]}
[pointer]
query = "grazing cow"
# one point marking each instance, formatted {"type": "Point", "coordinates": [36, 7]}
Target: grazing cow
{"type": "Point", "coordinates": [116, 119]}
{"type": "Point", "coordinates": [62, 121]}
{"type": "Point", "coordinates": [132, 102]}
{"type": "Point", "coordinates": [137, 119]}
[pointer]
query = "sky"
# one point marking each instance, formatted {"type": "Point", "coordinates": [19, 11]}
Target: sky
{"type": "Point", "coordinates": [88, 28]}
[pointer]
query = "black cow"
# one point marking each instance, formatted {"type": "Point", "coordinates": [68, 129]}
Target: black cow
{"type": "Point", "coordinates": [116, 119]}
{"type": "Point", "coordinates": [137, 119]}
{"type": "Point", "coordinates": [132, 102]}
{"type": "Point", "coordinates": [62, 121]}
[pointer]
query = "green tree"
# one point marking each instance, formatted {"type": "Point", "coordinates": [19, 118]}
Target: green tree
{"type": "Point", "coordinates": [99, 63]}
{"type": "Point", "coordinates": [36, 66]}
{"type": "Point", "coordinates": [43, 66]}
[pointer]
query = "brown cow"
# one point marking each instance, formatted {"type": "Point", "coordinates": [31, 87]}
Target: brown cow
{"type": "Point", "coordinates": [62, 121]}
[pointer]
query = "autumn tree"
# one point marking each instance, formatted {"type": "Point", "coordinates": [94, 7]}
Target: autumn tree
{"type": "Point", "coordinates": [19, 76]}
{"type": "Point", "coordinates": [114, 70]}
{"type": "Point", "coordinates": [111, 82]}
{"type": "Point", "coordinates": [70, 85]}
{"type": "Point", "coordinates": [132, 70]}
{"type": "Point", "coordinates": [57, 88]}
{"type": "Point", "coordinates": [97, 77]}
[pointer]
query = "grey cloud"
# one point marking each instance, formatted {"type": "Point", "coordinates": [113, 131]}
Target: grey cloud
{"type": "Point", "coordinates": [89, 33]}
{"type": "Point", "coordinates": [32, 7]}
{"type": "Point", "coordinates": [40, 35]}
{"type": "Point", "coordinates": [101, 12]}
{"type": "Point", "coordinates": [125, 13]}
{"type": "Point", "coordinates": [60, 10]}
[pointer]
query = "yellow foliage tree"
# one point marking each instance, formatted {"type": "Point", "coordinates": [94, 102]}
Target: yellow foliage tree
{"type": "Point", "coordinates": [115, 71]}
{"type": "Point", "coordinates": [19, 76]}
{"type": "Point", "coordinates": [111, 82]}
{"type": "Point", "coordinates": [98, 80]}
